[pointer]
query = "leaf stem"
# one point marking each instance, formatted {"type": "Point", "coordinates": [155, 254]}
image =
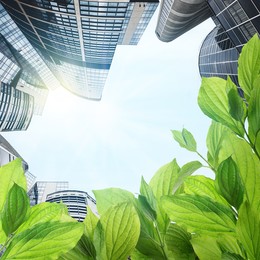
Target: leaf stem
{"type": "Point", "coordinates": [250, 142]}
{"type": "Point", "coordinates": [205, 160]}
{"type": "Point", "coordinates": [160, 238]}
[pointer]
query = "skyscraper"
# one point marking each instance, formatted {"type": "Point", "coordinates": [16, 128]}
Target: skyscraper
{"type": "Point", "coordinates": [76, 202]}
{"type": "Point", "coordinates": [23, 91]}
{"type": "Point", "coordinates": [236, 22]}
{"type": "Point", "coordinates": [77, 38]}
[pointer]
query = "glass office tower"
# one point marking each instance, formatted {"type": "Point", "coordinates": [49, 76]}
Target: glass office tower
{"type": "Point", "coordinates": [77, 38]}
{"type": "Point", "coordinates": [236, 22]}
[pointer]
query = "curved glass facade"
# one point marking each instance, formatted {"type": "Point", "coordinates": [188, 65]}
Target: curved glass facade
{"type": "Point", "coordinates": [177, 17]}
{"type": "Point", "coordinates": [76, 202]}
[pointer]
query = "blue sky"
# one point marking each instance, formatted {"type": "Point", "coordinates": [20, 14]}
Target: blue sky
{"type": "Point", "coordinates": [151, 89]}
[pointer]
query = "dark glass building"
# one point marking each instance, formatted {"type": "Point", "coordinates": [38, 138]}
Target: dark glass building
{"type": "Point", "coordinates": [77, 38]}
{"type": "Point", "coordinates": [236, 22]}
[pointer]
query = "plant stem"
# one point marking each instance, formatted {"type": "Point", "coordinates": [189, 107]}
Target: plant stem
{"type": "Point", "coordinates": [205, 160]}
{"type": "Point", "coordinates": [251, 143]}
{"type": "Point", "coordinates": [160, 238]}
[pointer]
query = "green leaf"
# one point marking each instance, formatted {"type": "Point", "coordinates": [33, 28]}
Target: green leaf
{"type": "Point", "coordinates": [164, 179]}
{"type": "Point", "coordinates": [15, 210]}
{"type": "Point", "coordinates": [178, 242]}
{"type": "Point", "coordinates": [213, 102]}
{"type": "Point", "coordinates": [249, 65]}
{"type": "Point", "coordinates": [80, 251]}
{"type": "Point", "coordinates": [206, 247]}
{"type": "Point", "coordinates": [90, 223]}
{"type": "Point", "coordinates": [121, 229]}
{"type": "Point", "coordinates": [147, 191]}
{"type": "Point", "coordinates": [46, 240]}
{"type": "Point", "coordinates": [149, 241]}
{"type": "Point", "coordinates": [228, 182]}
{"type": "Point", "coordinates": [248, 226]}
{"type": "Point", "coordinates": [186, 170]}
{"type": "Point", "coordinates": [214, 141]}
{"type": "Point", "coordinates": [199, 213]}
{"type": "Point", "coordinates": [185, 139]}
{"type": "Point", "coordinates": [237, 107]}
{"type": "Point", "coordinates": [107, 198]}
{"type": "Point", "coordinates": [230, 244]}
{"type": "Point", "coordinates": [44, 212]}
{"type": "Point", "coordinates": [162, 183]}
{"type": "Point", "coordinates": [254, 114]}
{"type": "Point", "coordinates": [203, 186]}
{"type": "Point", "coordinates": [9, 174]}
{"type": "Point", "coordinates": [146, 208]}
{"type": "Point", "coordinates": [231, 256]}
{"type": "Point", "coordinates": [87, 240]}
{"type": "Point", "coordinates": [247, 163]}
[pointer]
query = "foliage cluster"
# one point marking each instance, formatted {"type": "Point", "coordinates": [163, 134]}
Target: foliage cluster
{"type": "Point", "coordinates": [177, 215]}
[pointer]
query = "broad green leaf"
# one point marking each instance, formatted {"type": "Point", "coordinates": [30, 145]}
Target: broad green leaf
{"type": "Point", "coordinates": [121, 228]}
{"type": "Point", "coordinates": [186, 170]}
{"type": "Point", "coordinates": [44, 212]}
{"type": "Point", "coordinates": [46, 240]}
{"type": "Point", "coordinates": [249, 65]}
{"type": "Point", "coordinates": [146, 191]}
{"type": "Point", "coordinates": [15, 210]}
{"type": "Point", "coordinates": [206, 247]}
{"type": "Point", "coordinates": [254, 114]}
{"type": "Point", "coordinates": [162, 183]}
{"type": "Point", "coordinates": [185, 139]}
{"type": "Point", "coordinates": [229, 183]}
{"type": "Point", "coordinates": [248, 227]}
{"type": "Point", "coordinates": [178, 242]}
{"type": "Point", "coordinates": [213, 102]}
{"type": "Point", "coordinates": [9, 174]}
{"type": "Point", "coordinates": [164, 179]}
{"type": "Point", "coordinates": [199, 214]}
{"type": "Point", "coordinates": [237, 107]}
{"type": "Point", "coordinates": [248, 165]}
{"type": "Point", "coordinates": [214, 140]}
{"type": "Point", "coordinates": [107, 198]}
{"type": "Point", "coordinates": [203, 186]}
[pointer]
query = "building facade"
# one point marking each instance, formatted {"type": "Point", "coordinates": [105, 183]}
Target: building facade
{"type": "Point", "coordinates": [236, 22]}
{"type": "Point", "coordinates": [40, 190]}
{"type": "Point", "coordinates": [23, 91]}
{"type": "Point", "coordinates": [77, 39]}
{"type": "Point", "coordinates": [76, 202]}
